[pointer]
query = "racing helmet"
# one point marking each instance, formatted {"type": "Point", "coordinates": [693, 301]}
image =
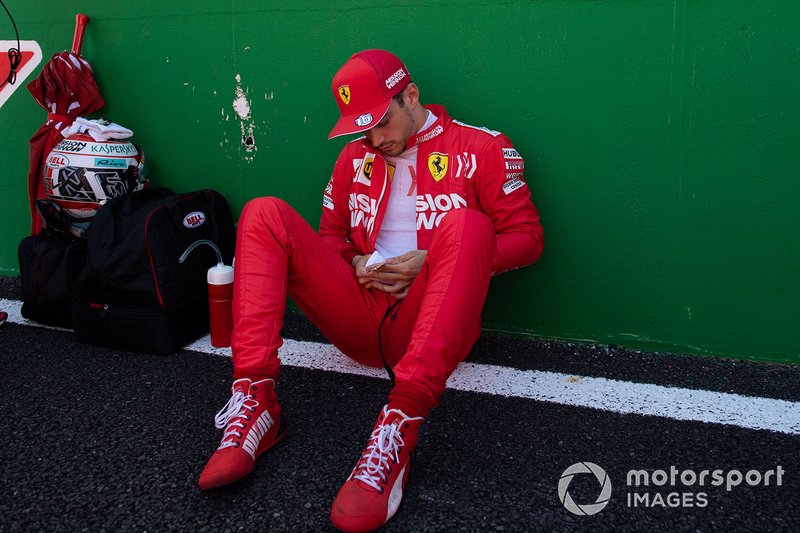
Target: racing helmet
{"type": "Point", "coordinates": [81, 174]}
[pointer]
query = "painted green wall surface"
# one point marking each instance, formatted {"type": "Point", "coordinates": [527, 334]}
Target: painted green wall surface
{"type": "Point", "coordinates": [661, 139]}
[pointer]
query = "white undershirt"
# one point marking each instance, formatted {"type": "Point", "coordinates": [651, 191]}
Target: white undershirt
{"type": "Point", "coordinates": [398, 233]}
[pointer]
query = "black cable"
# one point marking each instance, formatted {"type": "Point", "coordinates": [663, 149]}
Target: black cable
{"type": "Point", "coordinates": [389, 310]}
{"type": "Point", "coordinates": [14, 54]}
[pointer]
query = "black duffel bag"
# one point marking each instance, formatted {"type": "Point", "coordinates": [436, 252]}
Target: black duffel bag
{"type": "Point", "coordinates": [134, 294]}
{"type": "Point", "coordinates": [49, 265]}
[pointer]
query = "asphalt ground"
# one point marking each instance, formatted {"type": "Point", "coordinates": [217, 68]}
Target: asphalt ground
{"type": "Point", "coordinates": [94, 439]}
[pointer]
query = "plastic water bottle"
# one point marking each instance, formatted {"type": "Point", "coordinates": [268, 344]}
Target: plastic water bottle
{"type": "Point", "coordinates": [220, 296]}
{"type": "Point", "coordinates": [220, 300]}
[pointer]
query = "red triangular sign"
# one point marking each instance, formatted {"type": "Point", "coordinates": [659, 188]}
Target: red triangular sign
{"type": "Point", "coordinates": [31, 57]}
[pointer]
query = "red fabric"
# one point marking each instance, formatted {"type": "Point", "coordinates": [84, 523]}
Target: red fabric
{"type": "Point", "coordinates": [474, 217]}
{"type": "Point", "coordinates": [250, 432]}
{"type": "Point", "coordinates": [372, 493]}
{"type": "Point", "coordinates": [410, 398]}
{"type": "Point", "coordinates": [484, 172]}
{"type": "Point", "coordinates": [433, 329]}
{"type": "Point", "coordinates": [66, 89]}
{"type": "Point", "coordinates": [363, 89]}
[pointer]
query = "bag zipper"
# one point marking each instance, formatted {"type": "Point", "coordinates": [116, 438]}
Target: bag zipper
{"type": "Point", "coordinates": [104, 308]}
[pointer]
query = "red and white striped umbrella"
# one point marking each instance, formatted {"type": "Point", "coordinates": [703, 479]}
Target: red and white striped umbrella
{"type": "Point", "coordinates": [66, 89]}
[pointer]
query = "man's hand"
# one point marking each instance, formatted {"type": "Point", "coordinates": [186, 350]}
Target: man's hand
{"type": "Point", "coordinates": [360, 262]}
{"type": "Point", "coordinates": [367, 278]}
{"type": "Point", "coordinates": [395, 277]}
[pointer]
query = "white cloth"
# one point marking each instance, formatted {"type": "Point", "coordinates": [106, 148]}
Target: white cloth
{"type": "Point", "coordinates": [375, 259]}
{"type": "Point", "coordinates": [398, 233]}
{"type": "Point", "coordinates": [98, 129]}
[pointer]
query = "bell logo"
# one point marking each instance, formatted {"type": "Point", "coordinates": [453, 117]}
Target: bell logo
{"type": "Point", "coordinates": [344, 94]}
{"type": "Point", "coordinates": [57, 161]}
{"type": "Point", "coordinates": [194, 219]}
{"type": "Point", "coordinates": [437, 164]}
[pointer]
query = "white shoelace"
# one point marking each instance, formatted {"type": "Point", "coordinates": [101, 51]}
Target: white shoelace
{"type": "Point", "coordinates": [235, 408]}
{"type": "Point", "coordinates": [384, 445]}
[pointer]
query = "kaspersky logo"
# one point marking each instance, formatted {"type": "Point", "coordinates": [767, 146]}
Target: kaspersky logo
{"type": "Point", "coordinates": [344, 94]}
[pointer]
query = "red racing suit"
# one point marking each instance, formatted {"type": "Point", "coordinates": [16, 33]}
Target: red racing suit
{"type": "Point", "coordinates": [477, 169]}
{"type": "Point", "coordinates": [474, 217]}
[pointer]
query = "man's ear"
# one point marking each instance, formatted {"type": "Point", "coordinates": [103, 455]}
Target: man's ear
{"type": "Point", "coordinates": [411, 95]}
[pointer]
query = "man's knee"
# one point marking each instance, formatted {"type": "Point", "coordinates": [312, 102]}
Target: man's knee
{"type": "Point", "coordinates": [468, 223]}
{"type": "Point", "coordinates": [266, 211]}
{"type": "Point", "coordinates": [469, 216]}
{"type": "Point", "coordinates": [265, 205]}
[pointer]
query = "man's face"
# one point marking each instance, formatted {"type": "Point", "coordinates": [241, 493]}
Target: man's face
{"type": "Point", "coordinates": [391, 134]}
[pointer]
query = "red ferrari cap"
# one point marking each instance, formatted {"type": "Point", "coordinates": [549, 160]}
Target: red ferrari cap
{"type": "Point", "coordinates": [363, 89]}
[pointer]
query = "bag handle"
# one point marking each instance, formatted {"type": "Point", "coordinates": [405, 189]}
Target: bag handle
{"type": "Point", "coordinates": [210, 208]}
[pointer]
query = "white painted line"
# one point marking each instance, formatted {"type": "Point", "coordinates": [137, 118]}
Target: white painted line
{"type": "Point", "coordinates": [12, 307]}
{"type": "Point", "coordinates": [597, 393]}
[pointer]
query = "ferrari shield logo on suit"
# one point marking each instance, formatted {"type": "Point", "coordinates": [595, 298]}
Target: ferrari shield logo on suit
{"type": "Point", "coordinates": [437, 164]}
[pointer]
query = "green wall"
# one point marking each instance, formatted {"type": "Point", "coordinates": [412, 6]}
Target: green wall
{"type": "Point", "coordinates": [661, 139]}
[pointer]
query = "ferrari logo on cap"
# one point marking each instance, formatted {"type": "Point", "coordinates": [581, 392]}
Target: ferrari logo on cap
{"type": "Point", "coordinates": [437, 164]}
{"type": "Point", "coordinates": [344, 94]}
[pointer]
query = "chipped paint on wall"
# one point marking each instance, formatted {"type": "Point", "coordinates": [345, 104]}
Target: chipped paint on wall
{"type": "Point", "coordinates": [242, 106]}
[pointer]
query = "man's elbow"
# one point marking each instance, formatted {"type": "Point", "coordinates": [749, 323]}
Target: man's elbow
{"type": "Point", "coordinates": [533, 251]}
{"type": "Point", "coordinates": [538, 246]}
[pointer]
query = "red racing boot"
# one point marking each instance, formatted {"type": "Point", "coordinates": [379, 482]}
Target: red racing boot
{"type": "Point", "coordinates": [372, 493]}
{"type": "Point", "coordinates": [253, 425]}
